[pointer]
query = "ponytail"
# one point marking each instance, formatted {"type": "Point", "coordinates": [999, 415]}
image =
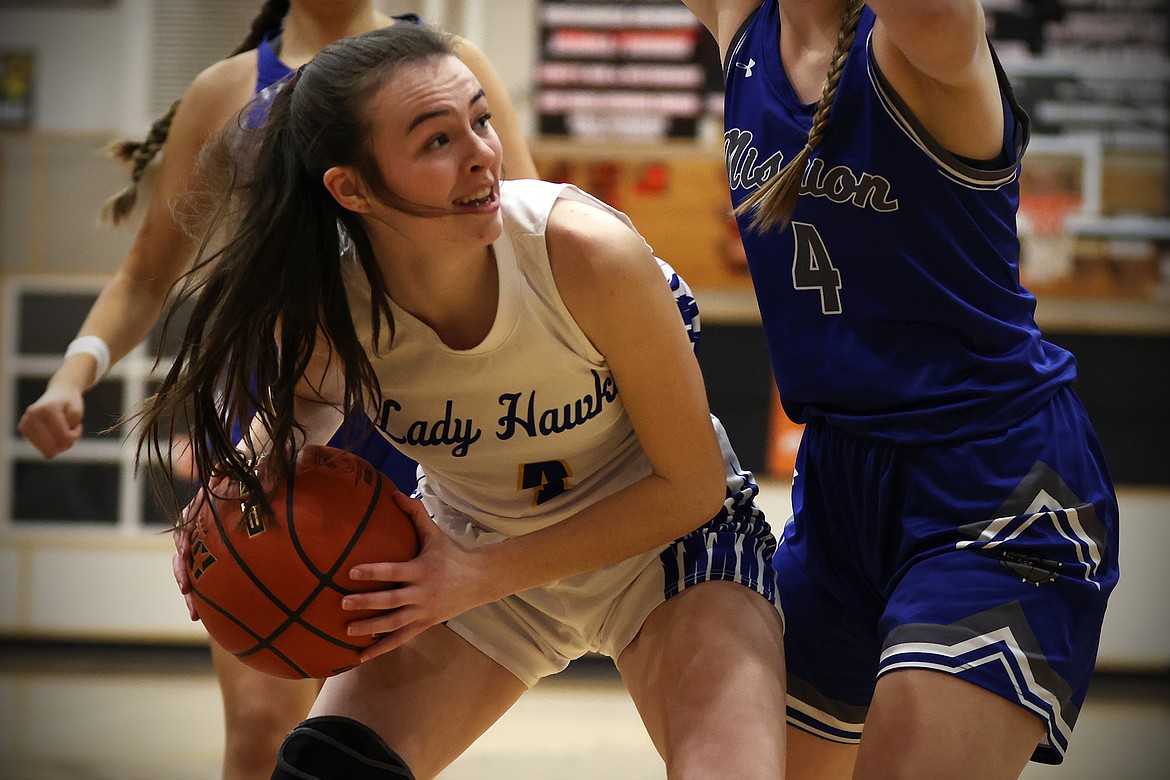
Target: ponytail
{"type": "Point", "coordinates": [271, 293]}
{"type": "Point", "coordinates": [772, 204]}
{"type": "Point", "coordinates": [260, 304]}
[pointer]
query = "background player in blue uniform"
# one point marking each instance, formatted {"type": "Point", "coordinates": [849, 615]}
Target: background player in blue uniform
{"type": "Point", "coordinates": [258, 710]}
{"type": "Point", "coordinates": [954, 539]}
{"type": "Point", "coordinates": [545, 533]}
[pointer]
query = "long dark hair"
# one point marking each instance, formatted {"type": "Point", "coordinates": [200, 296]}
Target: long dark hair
{"type": "Point", "coordinates": [273, 293]}
{"type": "Point", "coordinates": [139, 154]}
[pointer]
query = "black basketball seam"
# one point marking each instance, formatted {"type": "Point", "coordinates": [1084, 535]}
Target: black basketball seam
{"type": "Point", "coordinates": [223, 611]}
{"type": "Point", "coordinates": [295, 615]}
{"type": "Point", "coordinates": [353, 540]}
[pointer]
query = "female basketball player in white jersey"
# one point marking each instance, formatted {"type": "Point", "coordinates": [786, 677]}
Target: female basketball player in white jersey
{"type": "Point", "coordinates": [519, 341]}
{"type": "Point", "coordinates": [955, 534]}
{"type": "Point", "coordinates": [258, 710]}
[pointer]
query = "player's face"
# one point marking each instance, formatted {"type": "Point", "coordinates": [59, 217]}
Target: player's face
{"type": "Point", "coordinates": [436, 149]}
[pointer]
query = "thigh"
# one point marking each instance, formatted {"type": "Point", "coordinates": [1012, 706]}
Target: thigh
{"type": "Point", "coordinates": [814, 758]}
{"type": "Point", "coordinates": [706, 672]}
{"type": "Point", "coordinates": [1014, 558]}
{"type": "Point", "coordinates": [255, 702]}
{"type": "Point", "coordinates": [932, 725]}
{"type": "Point", "coordinates": [417, 698]}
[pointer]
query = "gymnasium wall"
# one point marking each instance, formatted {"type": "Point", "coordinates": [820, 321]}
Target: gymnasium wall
{"type": "Point", "coordinates": [92, 81]}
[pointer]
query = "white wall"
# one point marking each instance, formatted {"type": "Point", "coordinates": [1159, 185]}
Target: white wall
{"type": "Point", "coordinates": [91, 64]}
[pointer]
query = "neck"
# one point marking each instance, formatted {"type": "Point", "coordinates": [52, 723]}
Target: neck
{"type": "Point", "coordinates": [454, 293]}
{"type": "Point", "coordinates": [311, 25]}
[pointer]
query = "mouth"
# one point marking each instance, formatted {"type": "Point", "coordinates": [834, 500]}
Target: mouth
{"type": "Point", "coordinates": [480, 198]}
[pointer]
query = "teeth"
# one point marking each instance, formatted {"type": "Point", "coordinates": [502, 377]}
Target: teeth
{"type": "Point", "coordinates": [481, 195]}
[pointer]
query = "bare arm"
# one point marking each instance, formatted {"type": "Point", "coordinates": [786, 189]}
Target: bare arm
{"type": "Point", "coordinates": [722, 18]}
{"type": "Point", "coordinates": [131, 301]}
{"type": "Point", "coordinates": [611, 284]}
{"type": "Point", "coordinates": [936, 56]}
{"type": "Point", "coordinates": [615, 291]}
{"type": "Point", "coordinates": [518, 162]}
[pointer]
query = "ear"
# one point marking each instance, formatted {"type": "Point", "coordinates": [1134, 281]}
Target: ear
{"type": "Point", "coordinates": [347, 188]}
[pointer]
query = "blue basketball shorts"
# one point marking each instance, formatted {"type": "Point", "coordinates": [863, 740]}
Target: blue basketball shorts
{"type": "Point", "coordinates": [989, 559]}
{"type": "Point", "coordinates": [358, 434]}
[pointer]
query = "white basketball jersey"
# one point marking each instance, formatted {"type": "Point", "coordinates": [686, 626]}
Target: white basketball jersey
{"type": "Point", "coordinates": [527, 427]}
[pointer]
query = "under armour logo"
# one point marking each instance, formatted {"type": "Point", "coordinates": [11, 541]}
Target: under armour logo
{"type": "Point", "coordinates": [747, 68]}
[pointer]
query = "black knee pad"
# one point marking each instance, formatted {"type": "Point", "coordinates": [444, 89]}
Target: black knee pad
{"type": "Point", "coordinates": [336, 748]}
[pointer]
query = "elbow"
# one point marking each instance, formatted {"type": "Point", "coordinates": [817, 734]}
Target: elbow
{"type": "Point", "coordinates": [701, 496]}
{"type": "Point", "coordinates": [710, 508]}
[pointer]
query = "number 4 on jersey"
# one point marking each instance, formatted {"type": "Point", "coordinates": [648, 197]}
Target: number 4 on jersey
{"type": "Point", "coordinates": [547, 479]}
{"type": "Point", "coordinates": [813, 270]}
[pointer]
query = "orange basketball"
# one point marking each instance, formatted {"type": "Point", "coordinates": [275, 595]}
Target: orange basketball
{"type": "Point", "coordinates": [269, 589]}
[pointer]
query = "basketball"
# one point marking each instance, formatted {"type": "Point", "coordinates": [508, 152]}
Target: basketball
{"type": "Point", "coordinates": [269, 589]}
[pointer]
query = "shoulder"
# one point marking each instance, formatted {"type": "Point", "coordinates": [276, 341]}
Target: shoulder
{"type": "Point", "coordinates": [221, 89]}
{"type": "Point", "coordinates": [465, 49]}
{"type": "Point", "coordinates": [591, 239]}
{"type": "Point", "coordinates": [601, 266]}
{"type": "Point", "coordinates": [477, 62]}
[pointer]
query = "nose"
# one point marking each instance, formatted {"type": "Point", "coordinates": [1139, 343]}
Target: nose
{"type": "Point", "coordinates": [485, 151]}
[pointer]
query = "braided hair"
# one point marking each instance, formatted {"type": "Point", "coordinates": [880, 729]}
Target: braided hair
{"type": "Point", "coordinates": [772, 204]}
{"type": "Point", "coordinates": [139, 154]}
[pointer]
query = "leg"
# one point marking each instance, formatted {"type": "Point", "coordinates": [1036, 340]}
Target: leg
{"type": "Point", "coordinates": [813, 758]}
{"type": "Point", "coordinates": [428, 700]}
{"type": "Point", "coordinates": [701, 661]}
{"type": "Point", "coordinates": [925, 724]}
{"type": "Point", "coordinates": [258, 711]}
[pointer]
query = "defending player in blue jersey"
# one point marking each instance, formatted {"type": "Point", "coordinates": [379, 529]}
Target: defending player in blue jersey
{"type": "Point", "coordinates": [954, 539]}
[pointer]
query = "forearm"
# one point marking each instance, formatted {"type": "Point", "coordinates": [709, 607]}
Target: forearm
{"type": "Point", "coordinates": [125, 312]}
{"type": "Point", "coordinates": [122, 316]}
{"type": "Point", "coordinates": [649, 513]}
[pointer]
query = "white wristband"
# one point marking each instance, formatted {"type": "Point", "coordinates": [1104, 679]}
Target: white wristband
{"type": "Point", "coordinates": [96, 348]}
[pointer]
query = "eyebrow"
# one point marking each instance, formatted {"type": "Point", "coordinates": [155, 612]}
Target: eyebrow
{"type": "Point", "coordinates": [418, 120]}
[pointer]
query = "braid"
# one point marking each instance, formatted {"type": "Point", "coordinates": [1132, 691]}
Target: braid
{"type": "Point", "coordinates": [269, 18]}
{"type": "Point", "coordinates": [773, 203]}
{"type": "Point", "coordinates": [141, 153]}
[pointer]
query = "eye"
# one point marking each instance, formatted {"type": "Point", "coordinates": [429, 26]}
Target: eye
{"type": "Point", "coordinates": [484, 120]}
{"type": "Point", "coordinates": [441, 139]}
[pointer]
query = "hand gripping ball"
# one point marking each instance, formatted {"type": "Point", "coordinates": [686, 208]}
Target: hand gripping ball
{"type": "Point", "coordinates": [269, 589]}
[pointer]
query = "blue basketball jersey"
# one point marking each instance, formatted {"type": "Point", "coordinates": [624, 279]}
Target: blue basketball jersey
{"type": "Point", "coordinates": [892, 304]}
{"type": "Point", "coordinates": [270, 69]}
